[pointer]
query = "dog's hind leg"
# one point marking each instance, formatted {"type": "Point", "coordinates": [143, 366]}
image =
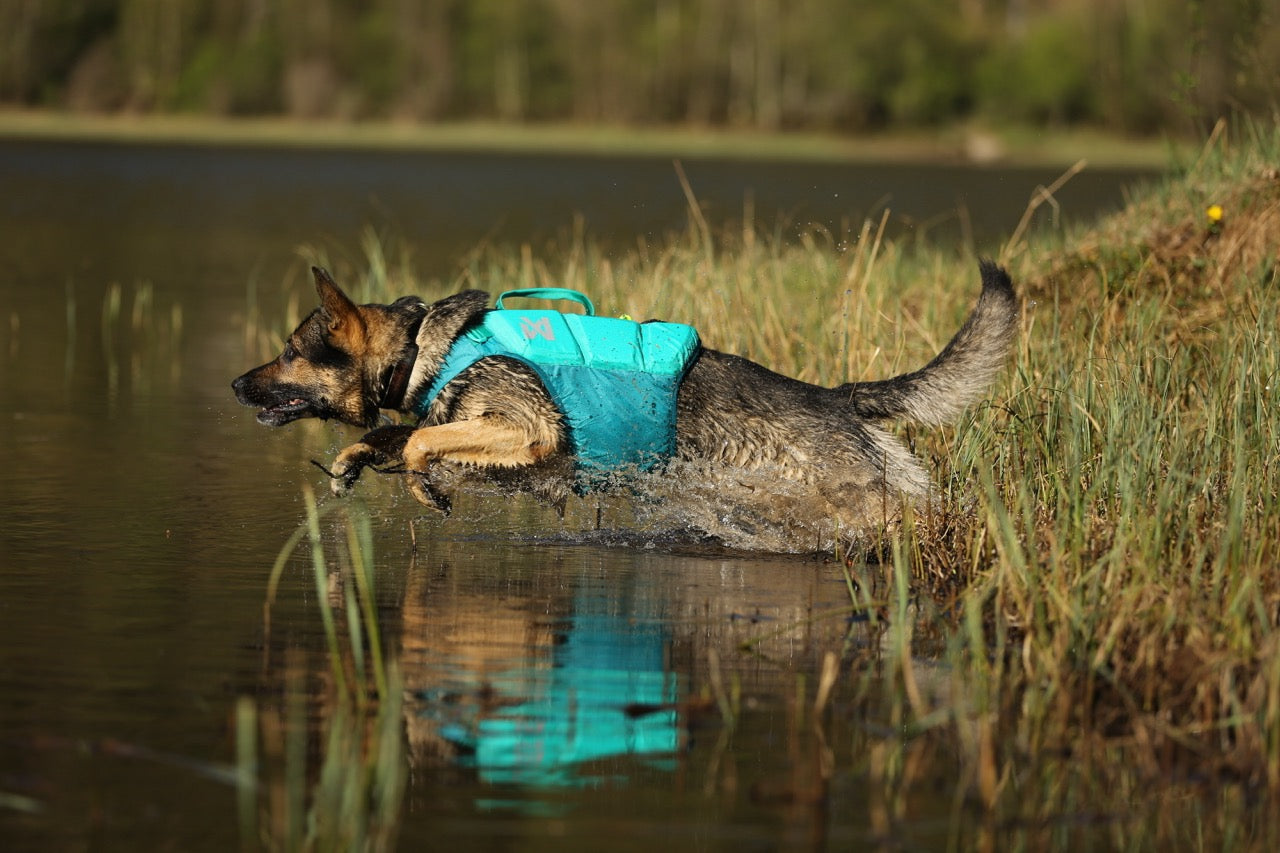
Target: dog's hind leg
{"type": "Point", "coordinates": [381, 446]}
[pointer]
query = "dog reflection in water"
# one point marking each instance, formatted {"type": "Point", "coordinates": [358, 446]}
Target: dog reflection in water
{"type": "Point", "coordinates": [531, 702]}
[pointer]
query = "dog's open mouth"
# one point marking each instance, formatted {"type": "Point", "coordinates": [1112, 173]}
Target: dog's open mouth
{"type": "Point", "coordinates": [283, 413]}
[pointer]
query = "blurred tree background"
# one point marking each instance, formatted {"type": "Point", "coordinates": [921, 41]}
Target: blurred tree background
{"type": "Point", "coordinates": [1128, 65]}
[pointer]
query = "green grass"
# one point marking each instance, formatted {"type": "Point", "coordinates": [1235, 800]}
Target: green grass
{"type": "Point", "coordinates": [351, 800]}
{"type": "Point", "coordinates": [1124, 549]}
{"type": "Point", "coordinates": [1013, 145]}
{"type": "Point", "coordinates": [1104, 561]}
{"type": "Point", "coordinates": [1118, 581]}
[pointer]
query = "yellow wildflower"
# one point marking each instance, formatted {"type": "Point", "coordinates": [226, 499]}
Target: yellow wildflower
{"type": "Point", "coordinates": [1214, 213]}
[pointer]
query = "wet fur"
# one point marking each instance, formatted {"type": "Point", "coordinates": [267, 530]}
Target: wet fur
{"type": "Point", "coordinates": [496, 419]}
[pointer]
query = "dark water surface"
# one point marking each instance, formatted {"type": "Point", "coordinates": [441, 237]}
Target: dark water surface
{"type": "Point", "coordinates": [142, 509]}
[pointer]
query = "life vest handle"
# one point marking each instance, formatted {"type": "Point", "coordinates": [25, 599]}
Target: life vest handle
{"type": "Point", "coordinates": [550, 293]}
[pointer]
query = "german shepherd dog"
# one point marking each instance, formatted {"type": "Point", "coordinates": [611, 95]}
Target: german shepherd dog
{"type": "Point", "coordinates": [496, 420]}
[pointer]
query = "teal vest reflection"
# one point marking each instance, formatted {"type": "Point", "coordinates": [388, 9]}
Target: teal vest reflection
{"type": "Point", "coordinates": [606, 695]}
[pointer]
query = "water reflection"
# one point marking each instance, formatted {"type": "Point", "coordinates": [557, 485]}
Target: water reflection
{"type": "Point", "coordinates": [556, 689]}
{"type": "Point", "coordinates": [602, 692]}
{"type": "Point", "coordinates": [568, 666]}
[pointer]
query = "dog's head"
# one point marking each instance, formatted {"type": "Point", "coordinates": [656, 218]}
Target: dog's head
{"type": "Point", "coordinates": [340, 361]}
{"type": "Point", "coordinates": [319, 374]}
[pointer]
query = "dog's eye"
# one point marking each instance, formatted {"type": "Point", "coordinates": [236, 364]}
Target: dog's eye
{"type": "Point", "coordinates": [290, 353]}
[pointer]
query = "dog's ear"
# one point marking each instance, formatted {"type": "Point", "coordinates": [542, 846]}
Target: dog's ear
{"type": "Point", "coordinates": [341, 316]}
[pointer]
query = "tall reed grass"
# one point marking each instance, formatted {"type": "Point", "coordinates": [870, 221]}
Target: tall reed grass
{"type": "Point", "coordinates": [144, 335]}
{"type": "Point", "coordinates": [1121, 589]}
{"type": "Point", "coordinates": [352, 799]}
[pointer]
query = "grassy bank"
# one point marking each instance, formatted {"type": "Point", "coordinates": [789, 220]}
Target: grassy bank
{"type": "Point", "coordinates": [960, 143]}
{"type": "Point", "coordinates": [1118, 580]}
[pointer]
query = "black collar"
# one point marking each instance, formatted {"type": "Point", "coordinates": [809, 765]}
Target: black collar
{"type": "Point", "coordinates": [396, 382]}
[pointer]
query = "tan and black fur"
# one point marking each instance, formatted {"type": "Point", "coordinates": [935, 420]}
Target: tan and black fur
{"type": "Point", "coordinates": [496, 420]}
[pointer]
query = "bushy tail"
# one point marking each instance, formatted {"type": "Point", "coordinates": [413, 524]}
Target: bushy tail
{"type": "Point", "coordinates": [957, 376]}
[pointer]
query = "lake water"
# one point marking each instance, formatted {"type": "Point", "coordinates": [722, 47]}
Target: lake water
{"type": "Point", "coordinates": [142, 511]}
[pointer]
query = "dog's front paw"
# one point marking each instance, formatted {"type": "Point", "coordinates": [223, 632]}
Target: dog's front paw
{"type": "Point", "coordinates": [346, 469]}
{"type": "Point", "coordinates": [427, 494]}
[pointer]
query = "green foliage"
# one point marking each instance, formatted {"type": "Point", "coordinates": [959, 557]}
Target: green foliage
{"type": "Point", "coordinates": [40, 46]}
{"type": "Point", "coordinates": [510, 67]}
{"type": "Point", "coordinates": [375, 73]}
{"type": "Point", "coordinates": [1141, 65]}
{"type": "Point", "coordinates": [251, 77]}
{"type": "Point", "coordinates": [924, 62]}
{"type": "Point", "coordinates": [231, 79]}
{"type": "Point", "coordinates": [1043, 78]}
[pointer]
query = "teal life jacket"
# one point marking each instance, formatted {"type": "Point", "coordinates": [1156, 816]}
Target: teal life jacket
{"type": "Point", "coordinates": [614, 380]}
